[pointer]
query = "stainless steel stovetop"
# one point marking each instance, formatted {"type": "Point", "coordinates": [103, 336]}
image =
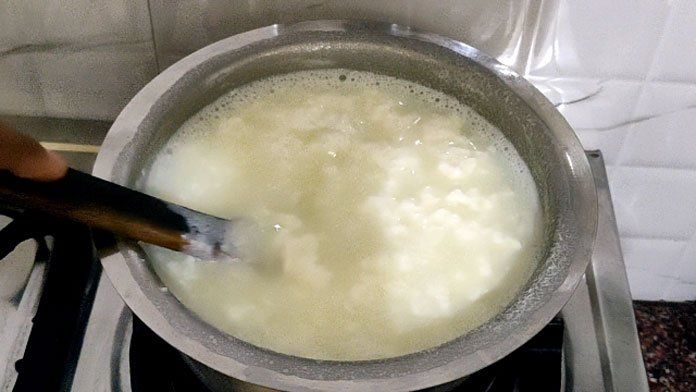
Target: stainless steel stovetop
{"type": "Point", "coordinates": [600, 350]}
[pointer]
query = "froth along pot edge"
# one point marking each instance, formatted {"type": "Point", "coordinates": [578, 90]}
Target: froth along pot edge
{"type": "Point", "coordinates": [539, 133]}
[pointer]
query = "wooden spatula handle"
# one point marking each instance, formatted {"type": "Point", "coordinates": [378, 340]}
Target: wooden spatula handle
{"type": "Point", "coordinates": [100, 204]}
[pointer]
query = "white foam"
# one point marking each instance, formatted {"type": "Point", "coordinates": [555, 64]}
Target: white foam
{"type": "Point", "coordinates": [395, 217]}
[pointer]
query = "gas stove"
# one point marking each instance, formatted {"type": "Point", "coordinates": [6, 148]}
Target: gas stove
{"type": "Point", "coordinates": [64, 327]}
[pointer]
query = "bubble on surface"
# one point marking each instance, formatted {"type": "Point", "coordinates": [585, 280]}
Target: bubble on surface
{"type": "Point", "coordinates": [412, 194]}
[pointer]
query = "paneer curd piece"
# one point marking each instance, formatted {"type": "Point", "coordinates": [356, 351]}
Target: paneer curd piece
{"type": "Point", "coordinates": [393, 217]}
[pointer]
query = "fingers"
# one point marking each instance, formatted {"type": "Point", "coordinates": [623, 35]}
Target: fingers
{"type": "Point", "coordinates": [40, 165]}
{"type": "Point", "coordinates": [25, 157]}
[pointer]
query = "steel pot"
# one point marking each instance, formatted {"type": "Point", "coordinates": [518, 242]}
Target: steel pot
{"type": "Point", "coordinates": [539, 133]}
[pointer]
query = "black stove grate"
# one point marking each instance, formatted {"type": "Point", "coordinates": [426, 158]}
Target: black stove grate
{"type": "Point", "coordinates": [53, 348]}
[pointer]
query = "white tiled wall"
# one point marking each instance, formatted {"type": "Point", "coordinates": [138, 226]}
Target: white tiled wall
{"type": "Point", "coordinates": [675, 59]}
{"type": "Point", "coordinates": [77, 58]}
{"type": "Point", "coordinates": [501, 28]}
{"type": "Point", "coordinates": [623, 72]}
{"type": "Point", "coordinates": [634, 63]}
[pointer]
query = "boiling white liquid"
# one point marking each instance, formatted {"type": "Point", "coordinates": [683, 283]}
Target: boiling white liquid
{"type": "Point", "coordinates": [394, 218]}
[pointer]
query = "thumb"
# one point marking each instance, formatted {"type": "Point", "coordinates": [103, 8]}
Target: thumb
{"type": "Point", "coordinates": [25, 157]}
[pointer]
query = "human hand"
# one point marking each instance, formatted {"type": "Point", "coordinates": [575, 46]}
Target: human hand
{"type": "Point", "coordinates": [26, 158]}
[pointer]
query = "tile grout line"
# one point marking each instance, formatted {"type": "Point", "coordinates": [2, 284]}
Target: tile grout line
{"type": "Point", "coordinates": [152, 36]}
{"type": "Point", "coordinates": [655, 238]}
{"type": "Point", "coordinates": [641, 92]}
{"type": "Point", "coordinates": [681, 261]}
{"type": "Point", "coordinates": [661, 168]}
{"type": "Point", "coordinates": [638, 120]}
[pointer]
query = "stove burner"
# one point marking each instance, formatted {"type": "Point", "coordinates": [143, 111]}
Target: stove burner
{"type": "Point", "coordinates": [536, 366]}
{"type": "Point", "coordinates": [157, 366]}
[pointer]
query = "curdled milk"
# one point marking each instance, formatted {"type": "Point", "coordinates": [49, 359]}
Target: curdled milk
{"type": "Point", "coordinates": [393, 217]}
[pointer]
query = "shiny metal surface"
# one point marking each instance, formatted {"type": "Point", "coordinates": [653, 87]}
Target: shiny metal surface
{"type": "Point", "coordinates": [104, 362]}
{"type": "Point", "coordinates": [512, 31]}
{"type": "Point", "coordinates": [582, 366]}
{"type": "Point", "coordinates": [529, 121]}
{"type": "Point", "coordinates": [601, 346]}
{"type": "Point", "coordinates": [614, 320]}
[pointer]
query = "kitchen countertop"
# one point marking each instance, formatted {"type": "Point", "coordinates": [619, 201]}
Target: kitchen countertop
{"type": "Point", "coordinates": [667, 332]}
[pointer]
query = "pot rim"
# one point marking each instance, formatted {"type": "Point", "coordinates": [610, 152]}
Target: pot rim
{"type": "Point", "coordinates": [115, 264]}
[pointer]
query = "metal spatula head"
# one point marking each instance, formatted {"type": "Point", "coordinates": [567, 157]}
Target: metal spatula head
{"type": "Point", "coordinates": [101, 204]}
